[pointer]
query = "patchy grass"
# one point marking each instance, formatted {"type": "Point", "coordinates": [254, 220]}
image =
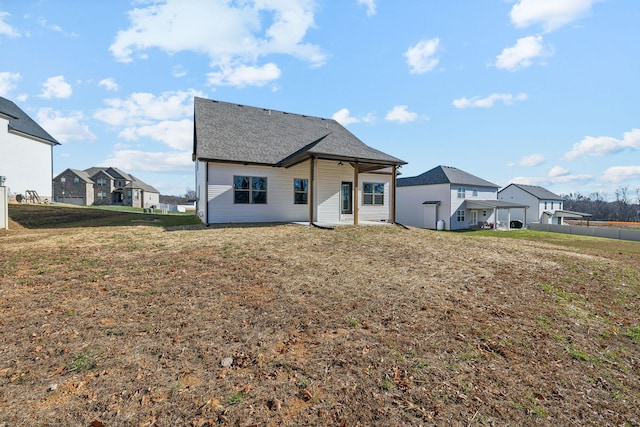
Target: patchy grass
{"type": "Point", "coordinates": [168, 323]}
{"type": "Point", "coordinates": [64, 216]}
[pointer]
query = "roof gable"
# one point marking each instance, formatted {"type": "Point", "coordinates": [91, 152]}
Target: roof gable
{"type": "Point", "coordinates": [240, 133]}
{"type": "Point", "coordinates": [536, 191]}
{"type": "Point", "coordinates": [20, 121]}
{"type": "Point", "coordinates": [445, 175]}
{"type": "Point", "coordinates": [117, 174]}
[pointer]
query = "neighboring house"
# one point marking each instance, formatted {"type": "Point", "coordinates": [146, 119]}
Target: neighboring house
{"type": "Point", "coordinates": [103, 186]}
{"type": "Point", "coordinates": [456, 199]}
{"type": "Point", "coordinates": [26, 152]}
{"type": "Point", "coordinates": [544, 206]}
{"type": "Point", "coordinates": [261, 165]}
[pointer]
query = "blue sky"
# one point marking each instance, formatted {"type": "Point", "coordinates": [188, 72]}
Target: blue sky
{"type": "Point", "coordinates": [541, 92]}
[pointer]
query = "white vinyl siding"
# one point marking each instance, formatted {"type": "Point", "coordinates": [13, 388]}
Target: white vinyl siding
{"type": "Point", "coordinates": [280, 206]}
{"type": "Point", "coordinates": [280, 195]}
{"type": "Point", "coordinates": [25, 162]}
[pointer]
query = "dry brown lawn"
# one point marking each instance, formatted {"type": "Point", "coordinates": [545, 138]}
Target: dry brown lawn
{"type": "Point", "coordinates": [144, 325]}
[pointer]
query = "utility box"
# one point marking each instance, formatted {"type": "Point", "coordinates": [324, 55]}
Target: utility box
{"type": "Point", "coordinates": [4, 207]}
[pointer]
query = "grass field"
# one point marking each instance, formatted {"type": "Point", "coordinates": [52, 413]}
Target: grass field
{"type": "Point", "coordinates": [120, 319]}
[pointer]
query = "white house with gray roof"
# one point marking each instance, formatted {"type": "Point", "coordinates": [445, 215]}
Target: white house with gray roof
{"type": "Point", "coordinates": [544, 206]}
{"type": "Point", "coordinates": [455, 198]}
{"type": "Point", "coordinates": [261, 165]}
{"type": "Point", "coordinates": [26, 152]}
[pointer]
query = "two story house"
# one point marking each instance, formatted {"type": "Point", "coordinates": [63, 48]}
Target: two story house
{"type": "Point", "coordinates": [103, 186]}
{"type": "Point", "coordinates": [26, 153]}
{"type": "Point", "coordinates": [545, 207]}
{"type": "Point", "coordinates": [451, 199]}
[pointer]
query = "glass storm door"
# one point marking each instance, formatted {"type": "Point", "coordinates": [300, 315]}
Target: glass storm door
{"type": "Point", "coordinates": [346, 198]}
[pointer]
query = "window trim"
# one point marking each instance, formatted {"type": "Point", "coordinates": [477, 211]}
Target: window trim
{"type": "Point", "coordinates": [460, 215]}
{"type": "Point", "coordinates": [250, 190]}
{"type": "Point", "coordinates": [304, 192]}
{"type": "Point", "coordinates": [461, 192]}
{"type": "Point", "coordinates": [373, 195]}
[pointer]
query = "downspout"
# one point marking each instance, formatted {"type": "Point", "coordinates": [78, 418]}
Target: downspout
{"type": "Point", "coordinates": [356, 167]}
{"type": "Point", "coordinates": [311, 192]}
{"type": "Point", "coordinates": [206, 193]}
{"type": "Point", "coordinates": [51, 180]}
{"type": "Point", "coordinates": [393, 194]}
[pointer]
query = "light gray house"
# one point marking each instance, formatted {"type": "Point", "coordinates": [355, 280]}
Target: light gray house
{"type": "Point", "coordinates": [449, 198]}
{"type": "Point", "coordinates": [544, 206]}
{"type": "Point", "coordinates": [103, 186]}
{"type": "Point", "coordinates": [260, 165]}
{"type": "Point", "coordinates": [26, 153]}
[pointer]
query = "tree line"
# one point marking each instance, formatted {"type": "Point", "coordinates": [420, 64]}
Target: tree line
{"type": "Point", "coordinates": [625, 206]}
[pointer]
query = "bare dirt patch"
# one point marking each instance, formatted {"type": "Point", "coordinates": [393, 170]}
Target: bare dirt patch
{"type": "Point", "coordinates": [291, 325]}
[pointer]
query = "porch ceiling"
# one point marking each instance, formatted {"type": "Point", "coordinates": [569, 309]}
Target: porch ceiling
{"type": "Point", "coordinates": [492, 204]}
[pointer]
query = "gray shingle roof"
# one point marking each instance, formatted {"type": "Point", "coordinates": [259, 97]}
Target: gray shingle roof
{"type": "Point", "coordinates": [536, 191]}
{"type": "Point", "coordinates": [83, 175]}
{"type": "Point", "coordinates": [445, 175]}
{"type": "Point", "coordinates": [116, 173]}
{"type": "Point", "coordinates": [238, 133]}
{"type": "Point", "coordinates": [21, 122]}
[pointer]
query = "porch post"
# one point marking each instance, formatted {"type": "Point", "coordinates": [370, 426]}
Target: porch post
{"type": "Point", "coordinates": [310, 195]}
{"type": "Point", "coordinates": [393, 194]}
{"type": "Point", "coordinates": [495, 219]}
{"type": "Point", "coordinates": [356, 167]}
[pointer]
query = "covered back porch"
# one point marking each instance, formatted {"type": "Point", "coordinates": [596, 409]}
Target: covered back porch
{"type": "Point", "coordinates": [498, 213]}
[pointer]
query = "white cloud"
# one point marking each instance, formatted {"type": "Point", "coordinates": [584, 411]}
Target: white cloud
{"type": "Point", "coordinates": [232, 34]}
{"type": "Point", "coordinates": [56, 87]}
{"type": "Point", "coordinates": [244, 75]}
{"type": "Point", "coordinates": [550, 179]}
{"type": "Point", "coordinates": [530, 160]}
{"type": "Point", "coordinates": [64, 128]}
{"type": "Point", "coordinates": [400, 114]}
{"type": "Point", "coordinates": [371, 6]}
{"type": "Point", "coordinates": [7, 81]}
{"type": "Point", "coordinates": [558, 171]}
{"type": "Point", "coordinates": [166, 162]}
{"type": "Point", "coordinates": [44, 24]}
{"type": "Point", "coordinates": [6, 29]}
{"type": "Point", "coordinates": [551, 14]}
{"type": "Point", "coordinates": [142, 108]}
{"type": "Point", "coordinates": [599, 146]}
{"type": "Point", "coordinates": [175, 134]}
{"type": "Point", "coordinates": [621, 173]}
{"type": "Point", "coordinates": [506, 98]}
{"type": "Point", "coordinates": [165, 118]}
{"type": "Point", "coordinates": [109, 84]}
{"type": "Point", "coordinates": [422, 57]}
{"type": "Point", "coordinates": [522, 54]}
{"type": "Point", "coordinates": [344, 117]}
{"type": "Point", "coordinates": [178, 71]}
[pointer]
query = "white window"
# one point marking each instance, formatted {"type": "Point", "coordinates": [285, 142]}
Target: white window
{"type": "Point", "coordinates": [475, 192]}
{"type": "Point", "coordinates": [63, 179]}
{"type": "Point", "coordinates": [460, 216]}
{"type": "Point", "coordinates": [461, 192]}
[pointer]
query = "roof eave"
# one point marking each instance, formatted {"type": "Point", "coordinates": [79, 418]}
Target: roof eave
{"type": "Point", "coordinates": [33, 137]}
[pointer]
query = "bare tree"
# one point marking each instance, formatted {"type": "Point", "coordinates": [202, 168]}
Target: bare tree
{"type": "Point", "coordinates": [623, 207]}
